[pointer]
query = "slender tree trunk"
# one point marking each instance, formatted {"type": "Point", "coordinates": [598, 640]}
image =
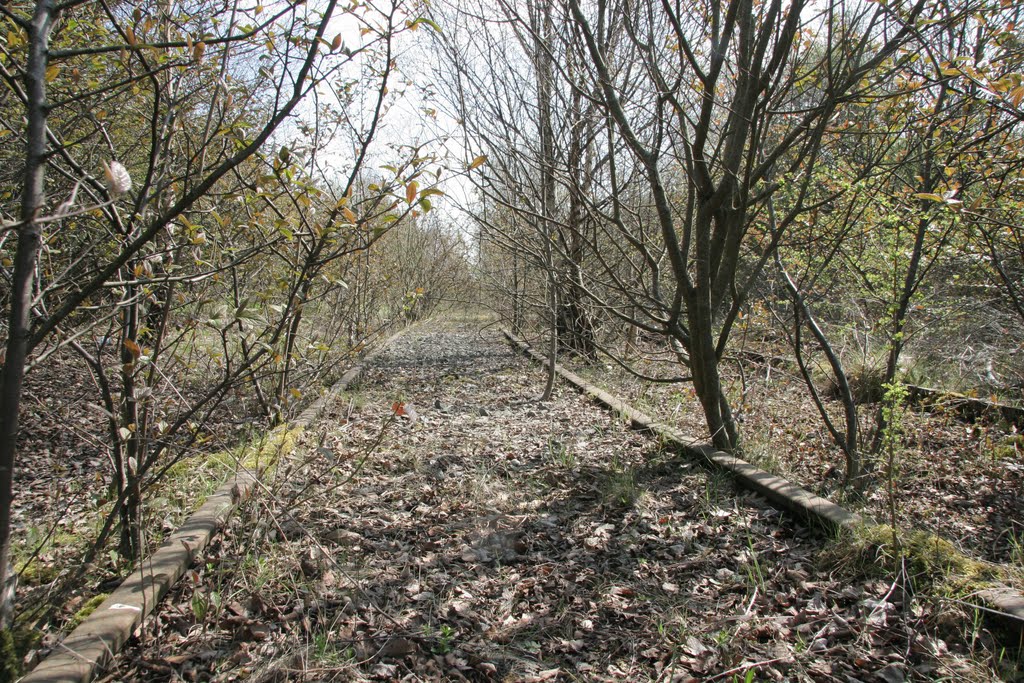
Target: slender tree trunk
{"type": "Point", "coordinates": [244, 346]}
{"type": "Point", "coordinates": [540, 17]}
{"type": "Point", "coordinates": [898, 322]}
{"type": "Point", "coordinates": [517, 314]}
{"type": "Point", "coordinates": [549, 382]}
{"type": "Point", "coordinates": [700, 315]}
{"type": "Point", "coordinates": [706, 381]}
{"type": "Point", "coordinates": [632, 344]}
{"type": "Point", "coordinates": [291, 336]}
{"type": "Point", "coordinates": [25, 259]}
{"type": "Point", "coordinates": [848, 440]}
{"type": "Point", "coordinates": [130, 456]}
{"type": "Point", "coordinates": [576, 326]}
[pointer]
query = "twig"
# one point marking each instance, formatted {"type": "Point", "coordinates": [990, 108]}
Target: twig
{"type": "Point", "coordinates": [744, 667]}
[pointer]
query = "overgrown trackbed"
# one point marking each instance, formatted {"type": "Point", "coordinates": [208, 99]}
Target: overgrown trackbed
{"type": "Point", "coordinates": [483, 535]}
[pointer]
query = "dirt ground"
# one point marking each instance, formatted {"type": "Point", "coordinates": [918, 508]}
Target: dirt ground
{"type": "Point", "coordinates": [441, 523]}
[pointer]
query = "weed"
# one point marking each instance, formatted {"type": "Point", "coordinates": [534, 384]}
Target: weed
{"type": "Point", "coordinates": [204, 603]}
{"type": "Point", "coordinates": [1016, 543]}
{"type": "Point", "coordinates": [257, 570]}
{"type": "Point", "coordinates": [757, 450]}
{"type": "Point", "coordinates": [15, 643]}
{"type": "Point", "coordinates": [561, 453]}
{"type": "Point", "coordinates": [866, 378]}
{"type": "Point", "coordinates": [621, 487]}
{"type": "Point", "coordinates": [36, 541]}
{"type": "Point", "coordinates": [326, 653]}
{"type": "Point", "coordinates": [893, 411]}
{"type": "Point", "coordinates": [1009, 448]}
{"type": "Point", "coordinates": [445, 637]}
{"type": "Point", "coordinates": [931, 562]}
{"type": "Point", "coordinates": [755, 574]}
{"type": "Point", "coordinates": [356, 400]}
{"type": "Point", "coordinates": [716, 486]}
{"type": "Point", "coordinates": [747, 678]}
{"type": "Point", "coordinates": [722, 637]}
{"type": "Point", "coordinates": [800, 644]}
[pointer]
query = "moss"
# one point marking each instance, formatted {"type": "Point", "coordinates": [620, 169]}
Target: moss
{"type": "Point", "coordinates": [933, 563]}
{"type": "Point", "coordinates": [34, 543]}
{"type": "Point", "coordinates": [188, 481]}
{"type": "Point", "coordinates": [36, 573]}
{"type": "Point", "coordinates": [88, 608]}
{"type": "Point", "coordinates": [265, 453]}
{"type": "Point", "coordinates": [259, 453]}
{"type": "Point", "coordinates": [1009, 447]}
{"type": "Point", "coordinates": [14, 645]}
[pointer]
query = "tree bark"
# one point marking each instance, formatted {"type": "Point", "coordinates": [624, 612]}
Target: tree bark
{"type": "Point", "coordinates": [25, 260]}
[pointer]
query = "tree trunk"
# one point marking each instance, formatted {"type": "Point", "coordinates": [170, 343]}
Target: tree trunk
{"type": "Point", "coordinates": [25, 259]}
{"type": "Point", "coordinates": [540, 19]}
{"type": "Point", "coordinates": [128, 456]}
{"type": "Point", "coordinates": [575, 324]}
{"type": "Point", "coordinates": [706, 381]}
{"type": "Point", "coordinates": [848, 440]}
{"type": "Point", "coordinates": [549, 382]}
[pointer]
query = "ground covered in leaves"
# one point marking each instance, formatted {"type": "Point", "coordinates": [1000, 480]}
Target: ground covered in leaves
{"type": "Point", "coordinates": [442, 523]}
{"type": "Point", "coordinates": [958, 479]}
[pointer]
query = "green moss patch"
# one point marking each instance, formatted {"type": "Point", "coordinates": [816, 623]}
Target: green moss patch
{"type": "Point", "coordinates": [85, 610]}
{"type": "Point", "coordinates": [932, 563]}
{"type": "Point", "coordinates": [14, 645]}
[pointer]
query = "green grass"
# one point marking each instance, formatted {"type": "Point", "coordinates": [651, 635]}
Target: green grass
{"type": "Point", "coordinates": [621, 487]}
{"type": "Point", "coordinates": [561, 453]}
{"type": "Point", "coordinates": [1010, 447]}
{"type": "Point", "coordinates": [182, 489]}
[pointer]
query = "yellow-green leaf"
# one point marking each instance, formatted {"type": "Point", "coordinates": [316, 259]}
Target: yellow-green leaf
{"type": "Point", "coordinates": [423, 20]}
{"type": "Point", "coordinates": [1017, 95]}
{"type": "Point", "coordinates": [478, 162]}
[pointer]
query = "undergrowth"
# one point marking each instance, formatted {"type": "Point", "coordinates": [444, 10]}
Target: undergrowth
{"type": "Point", "coordinates": [181, 489]}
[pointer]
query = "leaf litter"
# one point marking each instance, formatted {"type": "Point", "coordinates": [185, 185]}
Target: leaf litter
{"type": "Point", "coordinates": [953, 478]}
{"type": "Point", "coordinates": [440, 523]}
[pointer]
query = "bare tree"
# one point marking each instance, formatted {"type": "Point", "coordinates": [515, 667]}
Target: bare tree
{"type": "Point", "coordinates": [505, 81]}
{"type": "Point", "coordinates": [726, 118]}
{"type": "Point", "coordinates": [180, 113]}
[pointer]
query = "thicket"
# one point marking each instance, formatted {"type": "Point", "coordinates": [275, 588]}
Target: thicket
{"type": "Point", "coordinates": [839, 180]}
{"type": "Point", "coordinates": [203, 214]}
{"type": "Point", "coordinates": [201, 211]}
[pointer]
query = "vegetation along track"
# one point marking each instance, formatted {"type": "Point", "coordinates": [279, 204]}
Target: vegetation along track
{"type": "Point", "coordinates": [440, 523]}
